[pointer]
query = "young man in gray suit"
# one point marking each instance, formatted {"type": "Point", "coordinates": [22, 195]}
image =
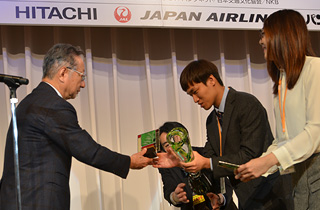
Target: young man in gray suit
{"type": "Point", "coordinates": [237, 131]}
{"type": "Point", "coordinates": [49, 135]}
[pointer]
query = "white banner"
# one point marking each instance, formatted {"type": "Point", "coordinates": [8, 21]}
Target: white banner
{"type": "Point", "coordinates": [223, 14]}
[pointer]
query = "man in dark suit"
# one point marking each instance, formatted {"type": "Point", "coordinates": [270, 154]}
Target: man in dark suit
{"type": "Point", "coordinates": [175, 181]}
{"type": "Point", "coordinates": [237, 131]}
{"type": "Point", "coordinates": [49, 136]}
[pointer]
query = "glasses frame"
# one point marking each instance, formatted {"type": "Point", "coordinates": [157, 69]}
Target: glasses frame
{"type": "Point", "coordinates": [82, 75]}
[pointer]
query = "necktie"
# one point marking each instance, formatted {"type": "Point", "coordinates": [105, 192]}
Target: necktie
{"type": "Point", "coordinates": [220, 116]}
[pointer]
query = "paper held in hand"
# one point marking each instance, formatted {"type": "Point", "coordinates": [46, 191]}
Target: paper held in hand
{"type": "Point", "coordinates": [227, 165]}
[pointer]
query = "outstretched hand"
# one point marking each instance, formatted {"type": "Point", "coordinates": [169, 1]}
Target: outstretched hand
{"type": "Point", "coordinates": [179, 195]}
{"type": "Point", "coordinates": [138, 161]}
{"type": "Point", "coordinates": [167, 160]}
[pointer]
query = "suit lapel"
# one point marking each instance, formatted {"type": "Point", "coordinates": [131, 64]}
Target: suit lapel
{"type": "Point", "coordinates": [228, 109]}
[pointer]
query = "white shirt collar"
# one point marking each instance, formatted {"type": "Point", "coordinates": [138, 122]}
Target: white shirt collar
{"type": "Point", "coordinates": [55, 89]}
{"type": "Point", "coordinates": [223, 100]}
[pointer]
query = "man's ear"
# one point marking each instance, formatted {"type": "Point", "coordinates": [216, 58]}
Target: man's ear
{"type": "Point", "coordinates": [62, 74]}
{"type": "Point", "coordinates": [211, 80]}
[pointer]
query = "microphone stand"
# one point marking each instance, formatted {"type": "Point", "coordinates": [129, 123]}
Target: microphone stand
{"type": "Point", "coordinates": [13, 100]}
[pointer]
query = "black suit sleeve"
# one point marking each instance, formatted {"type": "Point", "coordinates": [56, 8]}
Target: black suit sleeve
{"type": "Point", "coordinates": [63, 128]}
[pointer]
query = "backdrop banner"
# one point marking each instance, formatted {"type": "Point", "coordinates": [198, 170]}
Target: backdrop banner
{"type": "Point", "coordinates": [221, 14]}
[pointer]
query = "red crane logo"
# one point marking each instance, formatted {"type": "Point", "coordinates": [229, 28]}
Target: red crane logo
{"type": "Point", "coordinates": [122, 14]}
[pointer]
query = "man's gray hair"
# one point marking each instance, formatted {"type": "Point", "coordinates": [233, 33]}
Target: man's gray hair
{"type": "Point", "coordinates": [58, 55]}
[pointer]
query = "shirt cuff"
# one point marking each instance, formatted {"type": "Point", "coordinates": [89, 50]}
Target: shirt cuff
{"type": "Point", "coordinates": [224, 200]}
{"type": "Point", "coordinates": [283, 157]}
{"type": "Point", "coordinates": [211, 164]}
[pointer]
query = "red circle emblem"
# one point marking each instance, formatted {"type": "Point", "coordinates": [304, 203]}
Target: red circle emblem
{"type": "Point", "coordinates": [122, 14]}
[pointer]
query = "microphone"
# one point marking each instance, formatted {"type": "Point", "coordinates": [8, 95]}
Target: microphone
{"type": "Point", "coordinates": [17, 80]}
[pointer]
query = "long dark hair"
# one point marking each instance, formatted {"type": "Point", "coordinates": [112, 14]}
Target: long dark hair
{"type": "Point", "coordinates": [288, 43]}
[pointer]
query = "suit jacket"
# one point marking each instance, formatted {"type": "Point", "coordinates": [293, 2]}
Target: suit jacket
{"type": "Point", "coordinates": [171, 177]}
{"type": "Point", "coordinates": [49, 136]}
{"type": "Point", "coordinates": [246, 134]}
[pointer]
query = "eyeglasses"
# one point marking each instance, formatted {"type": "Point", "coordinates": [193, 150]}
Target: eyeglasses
{"type": "Point", "coordinates": [261, 33]}
{"type": "Point", "coordinates": [83, 75]}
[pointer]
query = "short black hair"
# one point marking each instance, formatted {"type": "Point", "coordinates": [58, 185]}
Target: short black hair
{"type": "Point", "coordinates": [198, 71]}
{"type": "Point", "coordinates": [168, 126]}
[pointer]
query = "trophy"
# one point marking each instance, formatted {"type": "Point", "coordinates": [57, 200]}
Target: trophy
{"type": "Point", "coordinates": [178, 139]}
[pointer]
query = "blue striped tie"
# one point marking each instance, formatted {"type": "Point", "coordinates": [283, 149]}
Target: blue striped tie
{"type": "Point", "coordinates": [220, 116]}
